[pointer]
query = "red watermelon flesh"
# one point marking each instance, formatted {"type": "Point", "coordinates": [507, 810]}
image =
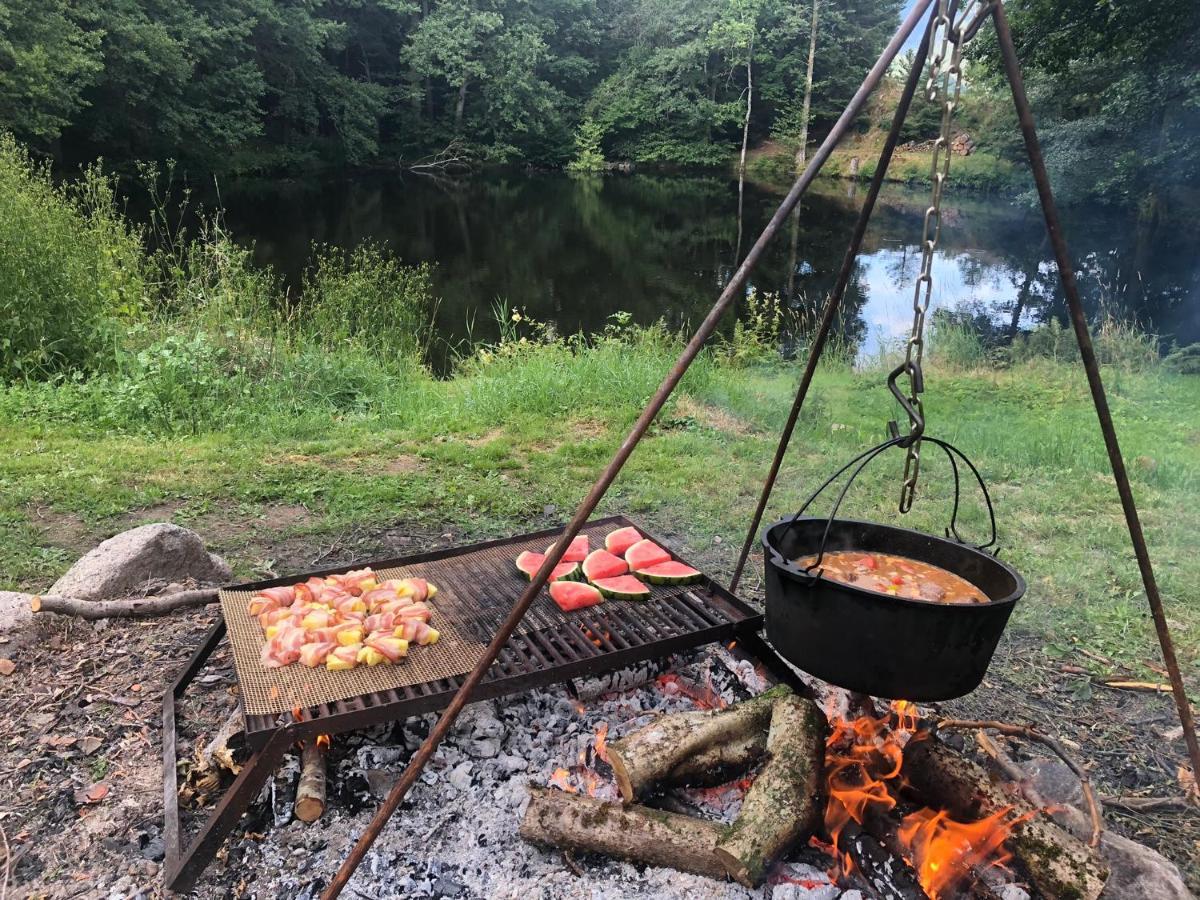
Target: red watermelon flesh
{"type": "Point", "coordinates": [645, 554]}
{"type": "Point", "coordinates": [621, 540]}
{"type": "Point", "coordinates": [623, 587]}
{"type": "Point", "coordinates": [529, 562]}
{"type": "Point", "coordinates": [571, 595]}
{"type": "Point", "coordinates": [669, 573]}
{"type": "Point", "coordinates": [576, 552]}
{"type": "Point", "coordinates": [602, 564]}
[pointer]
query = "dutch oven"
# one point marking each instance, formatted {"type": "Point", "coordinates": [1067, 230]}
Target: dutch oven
{"type": "Point", "coordinates": [881, 644]}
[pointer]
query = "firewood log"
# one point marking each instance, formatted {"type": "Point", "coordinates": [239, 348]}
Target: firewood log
{"type": "Point", "coordinates": [136, 607]}
{"type": "Point", "coordinates": [886, 874]}
{"type": "Point", "coordinates": [786, 800]}
{"type": "Point", "coordinates": [310, 790]}
{"type": "Point", "coordinates": [667, 745]}
{"type": "Point", "coordinates": [720, 762]}
{"type": "Point", "coordinates": [635, 833]}
{"type": "Point", "coordinates": [1058, 864]}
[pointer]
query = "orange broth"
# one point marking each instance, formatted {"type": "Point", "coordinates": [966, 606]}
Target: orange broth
{"type": "Point", "coordinates": [899, 576]}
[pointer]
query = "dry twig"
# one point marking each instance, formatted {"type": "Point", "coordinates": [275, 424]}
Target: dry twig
{"type": "Point", "coordinates": [134, 607]}
{"type": "Point", "coordinates": [1029, 734]}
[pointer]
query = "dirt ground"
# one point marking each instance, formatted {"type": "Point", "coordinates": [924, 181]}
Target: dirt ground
{"type": "Point", "coordinates": [81, 765]}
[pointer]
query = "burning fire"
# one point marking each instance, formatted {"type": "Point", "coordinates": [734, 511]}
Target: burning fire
{"type": "Point", "coordinates": [863, 759]}
{"type": "Point", "coordinates": [584, 775]}
{"type": "Point", "coordinates": [323, 741]}
{"type": "Point", "coordinates": [561, 779]}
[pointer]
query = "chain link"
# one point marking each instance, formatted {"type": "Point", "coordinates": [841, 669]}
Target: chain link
{"type": "Point", "coordinates": [944, 81]}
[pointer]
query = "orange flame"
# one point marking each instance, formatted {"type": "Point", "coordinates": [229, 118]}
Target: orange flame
{"type": "Point", "coordinates": [324, 741]}
{"type": "Point", "coordinates": [561, 779]}
{"type": "Point", "coordinates": [601, 742]}
{"type": "Point", "coordinates": [863, 758]}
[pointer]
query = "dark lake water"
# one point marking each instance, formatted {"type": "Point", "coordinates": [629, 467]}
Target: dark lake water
{"type": "Point", "coordinates": [573, 251]}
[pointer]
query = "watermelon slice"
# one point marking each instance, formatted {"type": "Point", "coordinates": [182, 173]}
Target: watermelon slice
{"type": "Point", "coordinates": [669, 573]}
{"type": "Point", "coordinates": [645, 554]}
{"type": "Point", "coordinates": [571, 595]}
{"type": "Point", "coordinates": [623, 587]}
{"type": "Point", "coordinates": [577, 552]}
{"type": "Point", "coordinates": [529, 562]}
{"type": "Point", "coordinates": [602, 564]}
{"type": "Point", "coordinates": [622, 539]}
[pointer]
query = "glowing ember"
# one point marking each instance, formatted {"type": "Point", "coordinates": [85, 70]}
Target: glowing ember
{"type": "Point", "coordinates": [580, 709]}
{"type": "Point", "coordinates": [561, 779]}
{"type": "Point", "coordinates": [601, 742]}
{"type": "Point", "coordinates": [863, 757]}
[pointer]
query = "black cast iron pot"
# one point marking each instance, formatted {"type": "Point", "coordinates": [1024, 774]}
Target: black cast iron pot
{"type": "Point", "coordinates": [880, 644]}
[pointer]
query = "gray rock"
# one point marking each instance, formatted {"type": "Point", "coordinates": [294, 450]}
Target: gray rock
{"type": "Point", "coordinates": [126, 562]}
{"type": "Point", "coordinates": [15, 611]}
{"type": "Point", "coordinates": [1135, 870]}
{"type": "Point", "coordinates": [484, 748]}
{"type": "Point", "coordinates": [155, 849]}
{"type": "Point", "coordinates": [379, 782]}
{"type": "Point", "coordinates": [510, 764]}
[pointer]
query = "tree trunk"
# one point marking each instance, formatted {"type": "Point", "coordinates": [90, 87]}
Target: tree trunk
{"type": "Point", "coordinates": [636, 833]}
{"type": "Point", "coordinates": [654, 752]}
{"type": "Point", "coordinates": [786, 800]}
{"type": "Point", "coordinates": [136, 607]}
{"type": "Point", "coordinates": [802, 151]}
{"type": "Point", "coordinates": [458, 108]}
{"type": "Point", "coordinates": [1060, 865]}
{"type": "Point", "coordinates": [749, 107]}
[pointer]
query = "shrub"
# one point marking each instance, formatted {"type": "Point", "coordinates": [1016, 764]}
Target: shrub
{"type": "Point", "coordinates": [589, 157]}
{"type": "Point", "coordinates": [71, 270]}
{"type": "Point", "coordinates": [1184, 360]}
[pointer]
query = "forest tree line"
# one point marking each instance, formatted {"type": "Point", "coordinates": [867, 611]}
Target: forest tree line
{"type": "Point", "coordinates": [256, 85]}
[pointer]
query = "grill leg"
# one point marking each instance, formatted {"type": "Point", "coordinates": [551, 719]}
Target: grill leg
{"type": "Point", "coordinates": [180, 871]}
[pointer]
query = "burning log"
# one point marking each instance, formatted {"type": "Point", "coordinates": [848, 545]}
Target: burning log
{"type": "Point", "coordinates": [310, 790]}
{"type": "Point", "coordinates": [786, 800]}
{"type": "Point", "coordinates": [635, 833]}
{"type": "Point", "coordinates": [1058, 864]}
{"type": "Point", "coordinates": [885, 871]}
{"type": "Point", "coordinates": [666, 750]}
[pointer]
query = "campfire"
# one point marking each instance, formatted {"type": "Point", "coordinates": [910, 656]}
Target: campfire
{"type": "Point", "coordinates": [774, 788]}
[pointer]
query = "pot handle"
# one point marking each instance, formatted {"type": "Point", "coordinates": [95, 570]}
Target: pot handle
{"type": "Point", "coordinates": [868, 456]}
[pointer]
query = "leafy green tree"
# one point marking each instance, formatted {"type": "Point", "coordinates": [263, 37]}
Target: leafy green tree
{"type": "Point", "coordinates": [588, 155]}
{"type": "Point", "coordinates": [47, 60]}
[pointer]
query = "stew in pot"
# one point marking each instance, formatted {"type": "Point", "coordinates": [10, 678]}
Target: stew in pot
{"type": "Point", "coordinates": [900, 576]}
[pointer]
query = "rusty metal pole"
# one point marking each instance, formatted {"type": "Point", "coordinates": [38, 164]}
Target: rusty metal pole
{"type": "Point", "coordinates": [834, 302]}
{"type": "Point", "coordinates": [732, 289]}
{"type": "Point", "coordinates": [1066, 272]}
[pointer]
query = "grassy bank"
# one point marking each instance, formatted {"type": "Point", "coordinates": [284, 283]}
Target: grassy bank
{"type": "Point", "coordinates": [267, 421]}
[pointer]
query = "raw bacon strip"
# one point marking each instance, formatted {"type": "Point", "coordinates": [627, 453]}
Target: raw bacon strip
{"type": "Point", "coordinates": [315, 654]}
{"type": "Point", "coordinates": [342, 658]}
{"type": "Point", "coordinates": [379, 622]}
{"type": "Point", "coordinates": [260, 604]}
{"type": "Point", "coordinates": [418, 611]}
{"type": "Point", "coordinates": [392, 648]}
{"type": "Point", "coordinates": [283, 594]}
{"type": "Point", "coordinates": [416, 631]}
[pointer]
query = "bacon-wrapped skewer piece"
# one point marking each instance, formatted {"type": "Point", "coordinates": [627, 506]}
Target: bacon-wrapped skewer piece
{"type": "Point", "coordinates": [342, 658]}
{"type": "Point", "coordinates": [260, 604]}
{"type": "Point", "coordinates": [416, 631]}
{"type": "Point", "coordinates": [375, 597]}
{"type": "Point", "coordinates": [277, 616]}
{"type": "Point", "coordinates": [316, 619]}
{"type": "Point", "coordinates": [350, 605]}
{"type": "Point", "coordinates": [369, 656]}
{"type": "Point", "coordinates": [349, 633]}
{"type": "Point", "coordinates": [418, 611]}
{"type": "Point", "coordinates": [284, 648]}
{"type": "Point", "coordinates": [379, 622]}
{"type": "Point", "coordinates": [392, 648]}
{"type": "Point", "coordinates": [314, 654]}
{"type": "Point", "coordinates": [356, 582]}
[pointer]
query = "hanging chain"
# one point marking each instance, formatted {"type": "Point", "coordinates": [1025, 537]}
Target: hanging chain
{"type": "Point", "coordinates": [944, 81]}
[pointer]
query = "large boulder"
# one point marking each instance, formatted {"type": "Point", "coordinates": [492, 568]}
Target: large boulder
{"type": "Point", "coordinates": [130, 561]}
{"type": "Point", "coordinates": [15, 610]}
{"type": "Point", "coordinates": [1134, 869]}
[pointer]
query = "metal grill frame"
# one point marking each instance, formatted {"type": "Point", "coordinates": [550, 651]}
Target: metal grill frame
{"type": "Point", "coordinates": [701, 614]}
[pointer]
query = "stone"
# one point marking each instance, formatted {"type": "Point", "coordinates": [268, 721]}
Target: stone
{"type": "Point", "coordinates": [125, 563]}
{"type": "Point", "coordinates": [379, 782]}
{"type": "Point", "coordinates": [154, 850]}
{"type": "Point", "coordinates": [1134, 869]}
{"type": "Point", "coordinates": [15, 611]}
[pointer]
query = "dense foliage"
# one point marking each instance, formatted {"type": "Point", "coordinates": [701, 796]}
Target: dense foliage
{"type": "Point", "coordinates": [252, 84]}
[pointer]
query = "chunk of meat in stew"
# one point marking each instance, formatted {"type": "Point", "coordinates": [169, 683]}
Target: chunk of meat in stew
{"type": "Point", "coordinates": [899, 576]}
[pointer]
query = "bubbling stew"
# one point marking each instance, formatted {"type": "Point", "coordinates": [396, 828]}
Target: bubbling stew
{"type": "Point", "coordinates": [900, 576]}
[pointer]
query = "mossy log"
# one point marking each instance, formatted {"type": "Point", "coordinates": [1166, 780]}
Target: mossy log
{"type": "Point", "coordinates": [1059, 865]}
{"type": "Point", "coordinates": [684, 747]}
{"type": "Point", "coordinates": [786, 800]}
{"type": "Point", "coordinates": [635, 833]}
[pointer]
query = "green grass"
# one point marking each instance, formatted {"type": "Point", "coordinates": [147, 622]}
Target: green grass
{"type": "Point", "coordinates": [530, 425]}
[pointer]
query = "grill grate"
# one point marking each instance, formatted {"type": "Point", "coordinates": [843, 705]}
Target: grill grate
{"type": "Point", "coordinates": [550, 646]}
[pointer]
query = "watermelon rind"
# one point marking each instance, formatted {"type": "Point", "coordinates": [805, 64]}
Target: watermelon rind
{"type": "Point", "coordinates": [669, 573]}
{"type": "Point", "coordinates": [644, 554]}
{"type": "Point", "coordinates": [617, 542]}
{"type": "Point", "coordinates": [622, 587]}
{"type": "Point", "coordinates": [567, 571]}
{"type": "Point", "coordinates": [568, 594]}
{"type": "Point", "coordinates": [602, 564]}
{"type": "Point", "coordinates": [576, 552]}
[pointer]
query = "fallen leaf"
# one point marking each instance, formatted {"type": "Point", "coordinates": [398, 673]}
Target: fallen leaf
{"type": "Point", "coordinates": [7, 666]}
{"type": "Point", "coordinates": [94, 794]}
{"type": "Point", "coordinates": [90, 744]}
{"type": "Point", "coordinates": [135, 687]}
{"type": "Point", "coordinates": [1187, 781]}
